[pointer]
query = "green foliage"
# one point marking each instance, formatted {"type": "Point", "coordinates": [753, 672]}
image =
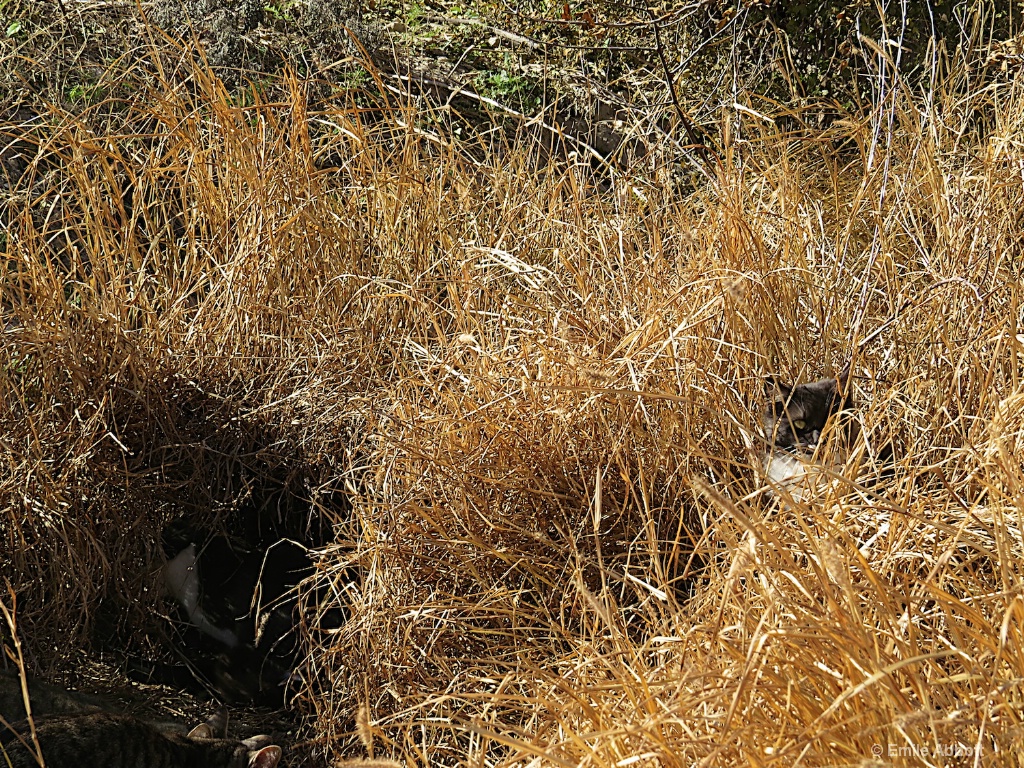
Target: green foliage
{"type": "Point", "coordinates": [353, 79]}
{"type": "Point", "coordinates": [86, 94]}
{"type": "Point", "coordinates": [281, 11]}
{"type": "Point", "coordinates": [12, 20]}
{"type": "Point", "coordinates": [509, 88]}
{"type": "Point", "coordinates": [414, 16]}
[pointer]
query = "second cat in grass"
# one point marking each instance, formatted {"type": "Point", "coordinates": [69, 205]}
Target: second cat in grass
{"type": "Point", "coordinates": [102, 740]}
{"type": "Point", "coordinates": [46, 700]}
{"type": "Point", "coordinates": [240, 608]}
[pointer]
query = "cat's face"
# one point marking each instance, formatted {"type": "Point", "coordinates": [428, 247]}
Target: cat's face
{"type": "Point", "coordinates": [796, 415]}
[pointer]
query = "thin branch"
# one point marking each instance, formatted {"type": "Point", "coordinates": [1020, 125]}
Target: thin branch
{"type": "Point", "coordinates": [479, 23]}
{"type": "Point", "coordinates": [688, 126]}
{"type": "Point", "coordinates": [462, 90]}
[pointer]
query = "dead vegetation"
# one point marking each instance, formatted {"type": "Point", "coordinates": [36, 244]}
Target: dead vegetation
{"type": "Point", "coordinates": [534, 385]}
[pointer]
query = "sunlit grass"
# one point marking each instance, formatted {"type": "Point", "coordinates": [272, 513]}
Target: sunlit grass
{"type": "Point", "coordinates": [541, 397]}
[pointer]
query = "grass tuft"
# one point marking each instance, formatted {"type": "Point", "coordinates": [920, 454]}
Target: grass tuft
{"type": "Point", "coordinates": [537, 388]}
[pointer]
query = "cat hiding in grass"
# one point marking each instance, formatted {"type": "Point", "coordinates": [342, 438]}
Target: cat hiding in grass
{"type": "Point", "coordinates": [241, 610]}
{"type": "Point", "coordinates": [102, 740]}
{"type": "Point", "coordinates": [794, 423]}
{"type": "Point", "coordinates": [46, 699]}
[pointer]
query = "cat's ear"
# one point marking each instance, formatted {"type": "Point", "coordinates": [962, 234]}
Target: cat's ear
{"type": "Point", "coordinates": [843, 380]}
{"type": "Point", "coordinates": [267, 757]}
{"type": "Point", "coordinates": [218, 723]}
{"type": "Point", "coordinates": [201, 731]}
{"type": "Point", "coordinates": [216, 727]}
{"type": "Point", "coordinates": [776, 391]}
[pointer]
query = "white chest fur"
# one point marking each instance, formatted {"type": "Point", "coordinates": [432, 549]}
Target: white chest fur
{"type": "Point", "coordinates": [798, 475]}
{"type": "Point", "coordinates": [181, 575]}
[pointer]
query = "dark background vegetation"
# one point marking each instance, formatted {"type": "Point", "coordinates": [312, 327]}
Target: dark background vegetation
{"type": "Point", "coordinates": [619, 76]}
{"type": "Point", "coordinates": [476, 299]}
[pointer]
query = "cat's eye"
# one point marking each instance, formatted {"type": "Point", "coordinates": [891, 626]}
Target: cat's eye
{"type": "Point", "coordinates": [799, 423]}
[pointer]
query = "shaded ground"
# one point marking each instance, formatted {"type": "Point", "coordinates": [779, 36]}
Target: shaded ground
{"type": "Point", "coordinates": [530, 382]}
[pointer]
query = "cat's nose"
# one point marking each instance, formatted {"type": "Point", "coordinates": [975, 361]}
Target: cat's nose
{"type": "Point", "coordinates": [811, 440]}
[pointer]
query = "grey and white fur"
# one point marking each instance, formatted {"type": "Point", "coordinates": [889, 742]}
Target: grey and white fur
{"type": "Point", "coordinates": [794, 422]}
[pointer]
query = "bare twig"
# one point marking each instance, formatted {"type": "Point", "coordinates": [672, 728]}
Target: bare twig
{"type": "Point", "coordinates": [9, 614]}
{"type": "Point", "coordinates": [512, 36]}
{"type": "Point", "coordinates": [688, 126]}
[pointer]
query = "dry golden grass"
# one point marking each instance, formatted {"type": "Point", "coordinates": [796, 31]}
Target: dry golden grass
{"type": "Point", "coordinates": [537, 393]}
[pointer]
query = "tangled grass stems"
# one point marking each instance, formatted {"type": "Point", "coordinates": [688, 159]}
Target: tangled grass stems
{"type": "Point", "coordinates": [538, 398]}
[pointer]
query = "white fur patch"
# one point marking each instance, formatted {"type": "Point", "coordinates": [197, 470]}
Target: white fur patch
{"type": "Point", "coordinates": [181, 575]}
{"type": "Point", "coordinates": [799, 475]}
